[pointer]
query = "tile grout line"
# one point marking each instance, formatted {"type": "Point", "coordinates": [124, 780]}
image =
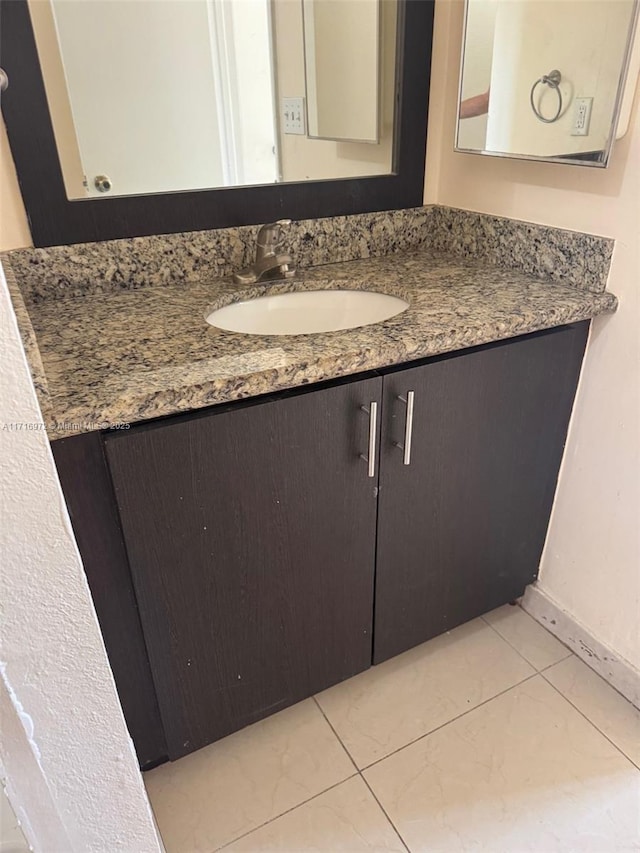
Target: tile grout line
{"type": "Point", "coordinates": [452, 720]}
{"type": "Point", "coordinates": [309, 799]}
{"type": "Point", "coordinates": [562, 660]}
{"type": "Point", "coordinates": [281, 814]}
{"type": "Point", "coordinates": [570, 651]}
{"type": "Point", "coordinates": [518, 652]}
{"type": "Point", "coordinates": [328, 722]}
{"type": "Point", "coordinates": [591, 723]}
{"type": "Point", "coordinates": [384, 812]}
{"type": "Point", "coordinates": [360, 774]}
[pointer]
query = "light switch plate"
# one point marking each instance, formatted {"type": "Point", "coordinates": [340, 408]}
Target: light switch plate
{"type": "Point", "coordinates": [293, 116]}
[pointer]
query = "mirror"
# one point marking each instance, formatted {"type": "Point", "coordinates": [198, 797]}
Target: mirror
{"type": "Point", "coordinates": [343, 71]}
{"type": "Point", "coordinates": [157, 96]}
{"type": "Point", "coordinates": [542, 79]}
{"type": "Point", "coordinates": [309, 177]}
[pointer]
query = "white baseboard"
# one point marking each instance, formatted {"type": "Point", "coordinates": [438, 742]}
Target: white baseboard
{"type": "Point", "coordinates": [620, 674]}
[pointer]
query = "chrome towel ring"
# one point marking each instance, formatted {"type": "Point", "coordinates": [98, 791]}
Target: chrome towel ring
{"type": "Point", "coordinates": [552, 79]}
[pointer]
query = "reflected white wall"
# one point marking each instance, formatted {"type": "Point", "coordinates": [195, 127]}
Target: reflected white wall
{"type": "Point", "coordinates": [478, 59]}
{"type": "Point", "coordinates": [585, 40]}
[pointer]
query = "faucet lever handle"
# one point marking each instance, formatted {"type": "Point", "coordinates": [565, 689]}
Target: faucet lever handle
{"type": "Point", "coordinates": [269, 234]}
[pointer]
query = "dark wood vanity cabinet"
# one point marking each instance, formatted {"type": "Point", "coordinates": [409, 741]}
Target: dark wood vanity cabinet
{"type": "Point", "coordinates": [251, 539]}
{"type": "Point", "coordinates": [461, 527]}
{"type": "Point", "coordinates": [256, 539]}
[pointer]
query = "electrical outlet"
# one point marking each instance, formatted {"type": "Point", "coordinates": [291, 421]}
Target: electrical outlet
{"type": "Point", "coordinates": [293, 115]}
{"type": "Point", "coordinates": [581, 116]}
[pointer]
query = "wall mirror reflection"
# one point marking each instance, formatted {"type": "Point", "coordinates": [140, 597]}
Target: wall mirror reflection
{"type": "Point", "coordinates": [157, 96]}
{"type": "Point", "coordinates": [342, 65]}
{"type": "Point", "coordinates": [542, 79]}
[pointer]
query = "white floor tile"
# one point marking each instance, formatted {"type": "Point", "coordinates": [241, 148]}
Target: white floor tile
{"type": "Point", "coordinates": [233, 786]}
{"type": "Point", "coordinates": [396, 702]}
{"type": "Point", "coordinates": [600, 703]}
{"type": "Point", "coordinates": [527, 636]}
{"type": "Point", "coordinates": [525, 773]}
{"type": "Point", "coordinates": [345, 819]}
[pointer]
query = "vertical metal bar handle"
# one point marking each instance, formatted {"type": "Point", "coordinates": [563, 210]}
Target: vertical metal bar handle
{"type": "Point", "coordinates": [370, 458]}
{"type": "Point", "coordinates": [408, 427]}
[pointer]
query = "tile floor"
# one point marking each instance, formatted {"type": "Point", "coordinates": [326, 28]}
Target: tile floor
{"type": "Point", "coordinates": [494, 737]}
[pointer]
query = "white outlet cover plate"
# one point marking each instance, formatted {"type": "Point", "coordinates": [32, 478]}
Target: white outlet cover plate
{"type": "Point", "coordinates": [581, 116]}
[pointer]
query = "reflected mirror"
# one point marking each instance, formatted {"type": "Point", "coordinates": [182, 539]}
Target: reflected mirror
{"type": "Point", "coordinates": [541, 79]}
{"type": "Point", "coordinates": [157, 96]}
{"type": "Point", "coordinates": [342, 68]}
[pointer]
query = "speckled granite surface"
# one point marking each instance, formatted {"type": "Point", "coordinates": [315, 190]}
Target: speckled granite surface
{"type": "Point", "coordinates": [576, 259]}
{"type": "Point", "coordinates": [580, 260]}
{"type": "Point", "coordinates": [115, 331]}
{"type": "Point", "coordinates": [202, 255]}
{"type": "Point", "coordinates": [129, 356]}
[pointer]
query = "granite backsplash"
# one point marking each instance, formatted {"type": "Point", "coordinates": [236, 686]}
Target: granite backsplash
{"type": "Point", "coordinates": [573, 258]}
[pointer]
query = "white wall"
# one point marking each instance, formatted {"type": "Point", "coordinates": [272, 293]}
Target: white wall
{"type": "Point", "coordinates": [12, 838]}
{"type": "Point", "coordinates": [242, 48]}
{"type": "Point", "coordinates": [478, 60]}
{"type": "Point", "coordinates": [141, 84]}
{"type": "Point", "coordinates": [68, 762]}
{"type": "Point", "coordinates": [218, 105]}
{"type": "Point", "coordinates": [586, 41]}
{"type": "Point", "coordinates": [592, 559]}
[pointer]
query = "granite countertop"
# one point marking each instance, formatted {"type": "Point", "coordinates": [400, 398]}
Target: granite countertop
{"type": "Point", "coordinates": [131, 355]}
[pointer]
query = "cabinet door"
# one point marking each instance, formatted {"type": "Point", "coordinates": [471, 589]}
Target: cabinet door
{"type": "Point", "coordinates": [251, 539]}
{"type": "Point", "coordinates": [462, 527]}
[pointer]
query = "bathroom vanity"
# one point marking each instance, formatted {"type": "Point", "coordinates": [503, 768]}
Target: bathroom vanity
{"type": "Point", "coordinates": [263, 516]}
{"type": "Point", "coordinates": [278, 546]}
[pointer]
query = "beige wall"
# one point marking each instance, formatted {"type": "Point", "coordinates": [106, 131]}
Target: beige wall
{"type": "Point", "coordinates": [44, 30]}
{"type": "Point", "coordinates": [341, 43]}
{"type": "Point", "coordinates": [591, 565]}
{"type": "Point", "coordinates": [14, 228]}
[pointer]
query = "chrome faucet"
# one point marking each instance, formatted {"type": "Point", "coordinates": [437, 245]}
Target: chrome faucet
{"type": "Point", "coordinates": [269, 263]}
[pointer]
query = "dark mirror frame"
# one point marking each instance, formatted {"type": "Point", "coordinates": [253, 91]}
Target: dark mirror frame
{"type": "Point", "coordinates": [54, 220]}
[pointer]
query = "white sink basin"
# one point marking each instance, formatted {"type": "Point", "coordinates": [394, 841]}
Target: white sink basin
{"type": "Point", "coordinates": [303, 312]}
